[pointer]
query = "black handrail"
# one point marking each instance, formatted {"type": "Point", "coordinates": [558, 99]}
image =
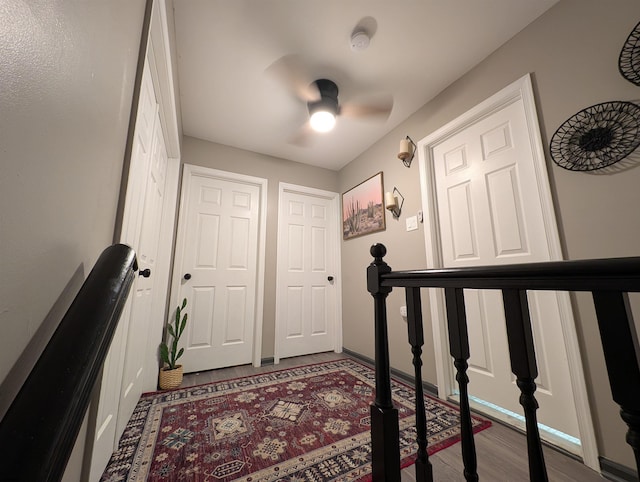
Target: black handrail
{"type": "Point", "coordinates": [38, 431]}
{"type": "Point", "coordinates": [609, 281]}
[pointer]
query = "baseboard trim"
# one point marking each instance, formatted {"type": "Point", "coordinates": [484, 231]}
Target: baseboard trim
{"type": "Point", "coordinates": [617, 472]}
{"type": "Point", "coordinates": [267, 361]}
{"type": "Point", "coordinates": [426, 386]}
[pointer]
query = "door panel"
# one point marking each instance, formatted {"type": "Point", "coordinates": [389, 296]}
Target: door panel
{"type": "Point", "coordinates": [235, 315]}
{"type": "Point", "coordinates": [218, 248]}
{"type": "Point", "coordinates": [481, 358]}
{"type": "Point", "coordinates": [306, 299]}
{"type": "Point", "coordinates": [202, 302]}
{"type": "Point", "coordinates": [319, 311]}
{"type": "Point", "coordinates": [240, 232]}
{"type": "Point", "coordinates": [295, 311]}
{"type": "Point", "coordinates": [463, 238]}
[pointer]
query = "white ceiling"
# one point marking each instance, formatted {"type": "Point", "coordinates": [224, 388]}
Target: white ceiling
{"type": "Point", "coordinates": [229, 95]}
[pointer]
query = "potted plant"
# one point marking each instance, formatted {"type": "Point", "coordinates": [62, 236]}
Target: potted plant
{"type": "Point", "coordinates": [170, 373]}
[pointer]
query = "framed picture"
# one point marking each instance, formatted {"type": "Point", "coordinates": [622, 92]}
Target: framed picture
{"type": "Point", "coordinates": [363, 209]}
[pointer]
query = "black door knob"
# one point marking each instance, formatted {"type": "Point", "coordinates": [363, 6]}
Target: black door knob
{"type": "Point", "coordinates": [145, 273]}
{"type": "Point", "coordinates": [330, 278]}
{"type": "Point", "coordinates": [187, 276]}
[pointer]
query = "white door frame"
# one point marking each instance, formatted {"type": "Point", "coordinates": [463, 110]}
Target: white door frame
{"type": "Point", "coordinates": [159, 57]}
{"type": "Point", "coordinates": [518, 90]}
{"type": "Point", "coordinates": [337, 232]}
{"type": "Point", "coordinates": [261, 183]}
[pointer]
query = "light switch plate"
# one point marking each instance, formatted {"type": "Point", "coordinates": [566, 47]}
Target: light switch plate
{"type": "Point", "coordinates": [412, 223]}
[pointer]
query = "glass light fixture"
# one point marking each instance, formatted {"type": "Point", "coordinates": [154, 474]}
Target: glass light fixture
{"type": "Point", "coordinates": [392, 204]}
{"type": "Point", "coordinates": [322, 121]}
{"type": "Point", "coordinates": [407, 151]}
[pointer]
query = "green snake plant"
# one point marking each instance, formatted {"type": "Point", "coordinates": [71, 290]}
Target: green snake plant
{"type": "Point", "coordinates": [170, 354]}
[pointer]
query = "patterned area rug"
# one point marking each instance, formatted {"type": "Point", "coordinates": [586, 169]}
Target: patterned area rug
{"type": "Point", "coordinates": [306, 424]}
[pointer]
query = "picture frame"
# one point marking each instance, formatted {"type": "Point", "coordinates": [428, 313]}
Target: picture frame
{"type": "Point", "coordinates": [363, 208]}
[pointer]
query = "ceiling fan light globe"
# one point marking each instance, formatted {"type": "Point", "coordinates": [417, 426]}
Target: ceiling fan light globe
{"type": "Point", "coordinates": [322, 121]}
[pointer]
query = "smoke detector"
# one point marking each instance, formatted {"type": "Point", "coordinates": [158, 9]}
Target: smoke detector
{"type": "Point", "coordinates": [359, 40]}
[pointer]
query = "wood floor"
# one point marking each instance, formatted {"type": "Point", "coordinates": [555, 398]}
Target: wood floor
{"type": "Point", "coordinates": [502, 452]}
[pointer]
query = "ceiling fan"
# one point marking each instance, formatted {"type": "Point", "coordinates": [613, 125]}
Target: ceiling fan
{"type": "Point", "coordinates": [321, 98]}
{"type": "Point", "coordinates": [323, 111]}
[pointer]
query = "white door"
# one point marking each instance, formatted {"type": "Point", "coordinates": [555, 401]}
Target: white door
{"type": "Point", "coordinates": [217, 264]}
{"type": "Point", "coordinates": [490, 214]}
{"type": "Point", "coordinates": [143, 289]}
{"type": "Point", "coordinates": [124, 366]}
{"type": "Point", "coordinates": [489, 211]}
{"type": "Point", "coordinates": [307, 274]}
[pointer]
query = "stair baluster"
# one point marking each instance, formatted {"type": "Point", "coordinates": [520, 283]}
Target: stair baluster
{"type": "Point", "coordinates": [459, 349]}
{"type": "Point", "coordinates": [524, 367]}
{"type": "Point", "coordinates": [424, 471]}
{"type": "Point", "coordinates": [622, 357]}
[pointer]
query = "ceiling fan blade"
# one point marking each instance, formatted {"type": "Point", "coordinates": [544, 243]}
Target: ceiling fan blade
{"type": "Point", "coordinates": [380, 108]}
{"type": "Point", "coordinates": [304, 137]}
{"type": "Point", "coordinates": [289, 70]}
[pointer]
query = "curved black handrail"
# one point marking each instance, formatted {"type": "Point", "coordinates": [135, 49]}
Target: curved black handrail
{"type": "Point", "coordinates": [613, 274]}
{"type": "Point", "coordinates": [38, 431]}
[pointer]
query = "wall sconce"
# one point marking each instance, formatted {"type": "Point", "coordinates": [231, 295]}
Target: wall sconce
{"type": "Point", "coordinates": [391, 202]}
{"type": "Point", "coordinates": [407, 151]}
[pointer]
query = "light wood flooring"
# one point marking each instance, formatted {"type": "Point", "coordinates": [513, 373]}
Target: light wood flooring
{"type": "Point", "coordinates": [501, 451]}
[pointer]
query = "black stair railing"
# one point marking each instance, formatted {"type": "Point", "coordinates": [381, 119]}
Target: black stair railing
{"type": "Point", "coordinates": [609, 281]}
{"type": "Point", "coordinates": [40, 427]}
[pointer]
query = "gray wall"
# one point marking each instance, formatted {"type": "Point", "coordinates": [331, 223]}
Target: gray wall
{"type": "Point", "coordinates": [67, 75]}
{"type": "Point", "coordinates": [66, 81]}
{"type": "Point", "coordinates": [217, 156]}
{"type": "Point", "coordinates": [572, 52]}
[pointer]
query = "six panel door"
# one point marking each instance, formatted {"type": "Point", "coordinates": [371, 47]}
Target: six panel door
{"type": "Point", "coordinates": [490, 213]}
{"type": "Point", "coordinates": [217, 258]}
{"type": "Point", "coordinates": [306, 297]}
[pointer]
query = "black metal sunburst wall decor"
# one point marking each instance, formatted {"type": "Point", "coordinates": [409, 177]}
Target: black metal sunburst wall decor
{"type": "Point", "coordinates": [603, 134]}
{"type": "Point", "coordinates": [597, 136]}
{"type": "Point", "coordinates": [629, 61]}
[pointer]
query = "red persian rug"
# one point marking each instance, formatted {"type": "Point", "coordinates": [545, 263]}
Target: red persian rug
{"type": "Point", "coordinates": [306, 424]}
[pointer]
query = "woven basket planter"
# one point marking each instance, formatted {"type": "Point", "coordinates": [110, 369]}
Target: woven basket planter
{"type": "Point", "coordinates": [169, 379]}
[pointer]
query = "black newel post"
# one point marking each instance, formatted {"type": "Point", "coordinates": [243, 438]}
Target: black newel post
{"type": "Point", "coordinates": [385, 444]}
